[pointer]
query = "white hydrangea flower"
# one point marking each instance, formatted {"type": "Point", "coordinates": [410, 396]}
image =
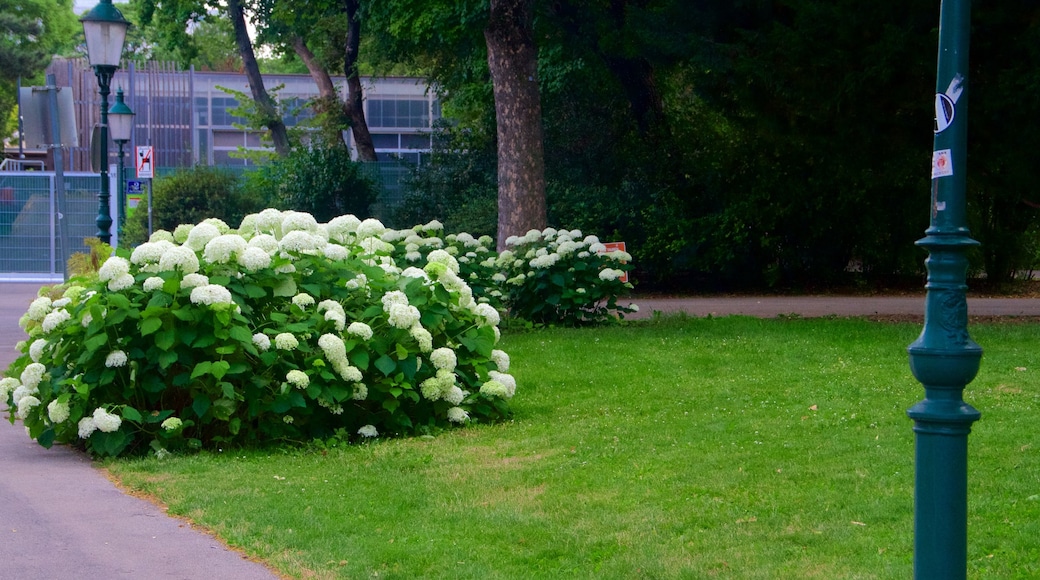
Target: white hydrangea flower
{"type": "Point", "coordinates": [368, 431]}
{"type": "Point", "coordinates": [171, 424]}
{"type": "Point", "coordinates": [373, 245]}
{"type": "Point", "coordinates": [180, 233]}
{"type": "Point", "coordinates": [121, 283]}
{"type": "Point", "coordinates": [597, 247]}
{"type": "Point", "coordinates": [57, 412]}
{"type": "Point", "coordinates": [262, 341]}
{"type": "Point", "coordinates": [403, 315]}
{"type": "Point", "coordinates": [286, 341]}
{"type": "Point", "coordinates": [150, 252]}
{"type": "Point", "coordinates": [222, 249]}
{"type": "Point", "coordinates": [422, 336]}
{"type": "Point", "coordinates": [349, 373]}
{"type": "Point", "coordinates": [7, 386]}
{"type": "Point", "coordinates": [254, 258]}
{"type": "Point", "coordinates": [180, 258]}
{"type": "Point", "coordinates": [610, 274]}
{"type": "Point", "coordinates": [106, 422]}
{"type": "Point", "coordinates": [335, 252]}
{"type": "Point", "coordinates": [211, 295]}
{"type": "Point", "coordinates": [300, 242]}
{"type": "Point", "coordinates": [545, 261]}
{"type": "Point", "coordinates": [21, 392]}
{"type": "Point", "coordinates": [359, 281]}
{"type": "Point", "coordinates": [360, 330]}
{"type": "Point", "coordinates": [501, 360]}
{"type": "Point", "coordinates": [303, 300]}
{"type": "Point", "coordinates": [455, 395]}
{"type": "Point", "coordinates": [507, 380]}
{"type": "Point", "coordinates": [444, 358]}
{"type": "Point", "coordinates": [200, 235]}
{"type": "Point", "coordinates": [370, 227]}
{"type": "Point", "coordinates": [433, 226]}
{"type": "Point", "coordinates": [457, 415]}
{"type": "Point", "coordinates": [493, 388]}
{"type": "Point", "coordinates": [269, 221]}
{"type": "Point", "coordinates": [443, 257]}
{"type": "Point", "coordinates": [25, 404]}
{"type": "Point", "coordinates": [153, 283]}
{"type": "Point", "coordinates": [116, 358]}
{"type": "Point", "coordinates": [55, 319]}
{"type": "Point", "coordinates": [161, 236]}
{"type": "Point", "coordinates": [333, 347]}
{"type": "Point", "coordinates": [619, 256]}
{"type": "Point", "coordinates": [194, 281]}
{"type": "Point", "coordinates": [296, 221]}
{"type": "Point", "coordinates": [360, 392]}
{"type": "Point", "coordinates": [36, 349]}
{"type": "Point", "coordinates": [342, 228]}
{"type": "Point", "coordinates": [265, 242]}
{"type": "Point", "coordinates": [298, 379]}
{"type": "Point", "coordinates": [113, 268]}
{"type": "Point", "coordinates": [39, 309]}
{"type": "Point", "coordinates": [413, 272]}
{"type": "Point", "coordinates": [488, 313]}
{"type": "Point", "coordinates": [86, 426]}
{"type": "Point", "coordinates": [218, 223]}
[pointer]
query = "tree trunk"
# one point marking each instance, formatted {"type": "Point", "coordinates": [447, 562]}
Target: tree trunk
{"type": "Point", "coordinates": [264, 104]}
{"type": "Point", "coordinates": [353, 106]}
{"type": "Point", "coordinates": [513, 62]}
{"type": "Point", "coordinates": [328, 106]}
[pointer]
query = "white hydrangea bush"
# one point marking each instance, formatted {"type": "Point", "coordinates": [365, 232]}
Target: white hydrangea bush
{"type": "Point", "coordinates": [284, 329]}
{"type": "Point", "coordinates": [544, 277]}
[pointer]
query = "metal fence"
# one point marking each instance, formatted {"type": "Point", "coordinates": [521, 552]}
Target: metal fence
{"type": "Point", "coordinates": [30, 231]}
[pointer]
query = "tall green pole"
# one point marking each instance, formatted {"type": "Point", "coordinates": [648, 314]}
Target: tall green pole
{"type": "Point", "coordinates": [945, 358]}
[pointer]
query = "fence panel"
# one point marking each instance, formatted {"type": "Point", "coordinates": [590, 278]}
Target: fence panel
{"type": "Point", "coordinates": [30, 239]}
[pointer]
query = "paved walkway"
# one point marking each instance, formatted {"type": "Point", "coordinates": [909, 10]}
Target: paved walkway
{"type": "Point", "coordinates": [60, 517]}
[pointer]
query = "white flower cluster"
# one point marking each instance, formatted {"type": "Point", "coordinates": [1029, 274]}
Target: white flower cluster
{"type": "Point", "coordinates": [336, 353]}
{"type": "Point", "coordinates": [211, 295]}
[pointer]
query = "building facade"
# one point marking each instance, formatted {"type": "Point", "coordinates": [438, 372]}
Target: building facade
{"type": "Point", "coordinates": [188, 116]}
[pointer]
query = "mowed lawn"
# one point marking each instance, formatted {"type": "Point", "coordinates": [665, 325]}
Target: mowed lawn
{"type": "Point", "coordinates": [676, 448]}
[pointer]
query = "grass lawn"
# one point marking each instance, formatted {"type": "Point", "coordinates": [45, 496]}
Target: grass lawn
{"type": "Point", "coordinates": [677, 448]}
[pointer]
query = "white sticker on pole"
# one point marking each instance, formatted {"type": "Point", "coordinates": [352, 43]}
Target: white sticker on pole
{"type": "Point", "coordinates": [942, 163]}
{"type": "Point", "coordinates": [145, 162]}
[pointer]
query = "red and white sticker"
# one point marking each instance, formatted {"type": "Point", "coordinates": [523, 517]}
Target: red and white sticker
{"type": "Point", "coordinates": [942, 163]}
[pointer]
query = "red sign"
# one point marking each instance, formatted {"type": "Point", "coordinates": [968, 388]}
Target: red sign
{"type": "Point", "coordinates": [616, 246]}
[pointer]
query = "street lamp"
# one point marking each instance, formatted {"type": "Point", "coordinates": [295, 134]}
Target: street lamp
{"type": "Point", "coordinates": [945, 358]}
{"type": "Point", "coordinates": [121, 121]}
{"type": "Point", "coordinates": [105, 30]}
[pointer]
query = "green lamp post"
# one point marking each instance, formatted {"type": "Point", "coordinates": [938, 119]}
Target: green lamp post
{"type": "Point", "coordinates": [105, 30]}
{"type": "Point", "coordinates": [121, 120]}
{"type": "Point", "coordinates": [945, 358]}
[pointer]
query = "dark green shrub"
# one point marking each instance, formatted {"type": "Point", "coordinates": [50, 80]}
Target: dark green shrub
{"type": "Point", "coordinates": [190, 196]}
{"type": "Point", "coordinates": [322, 181]}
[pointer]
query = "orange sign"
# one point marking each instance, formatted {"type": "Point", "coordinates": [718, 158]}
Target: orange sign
{"type": "Point", "coordinates": [616, 246]}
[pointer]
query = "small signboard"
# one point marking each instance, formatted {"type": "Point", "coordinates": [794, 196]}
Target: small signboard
{"type": "Point", "coordinates": [616, 246]}
{"type": "Point", "coordinates": [145, 162]}
{"type": "Point", "coordinates": [133, 186]}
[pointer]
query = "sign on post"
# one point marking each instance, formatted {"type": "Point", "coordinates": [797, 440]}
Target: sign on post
{"type": "Point", "coordinates": [145, 162]}
{"type": "Point", "coordinates": [615, 247]}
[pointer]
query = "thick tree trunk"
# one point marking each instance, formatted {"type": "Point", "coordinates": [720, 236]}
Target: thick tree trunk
{"type": "Point", "coordinates": [264, 104]}
{"type": "Point", "coordinates": [354, 106]}
{"type": "Point", "coordinates": [513, 62]}
{"type": "Point", "coordinates": [328, 105]}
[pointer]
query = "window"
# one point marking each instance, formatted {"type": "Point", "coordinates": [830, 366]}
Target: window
{"type": "Point", "coordinates": [221, 112]}
{"type": "Point", "coordinates": [399, 113]}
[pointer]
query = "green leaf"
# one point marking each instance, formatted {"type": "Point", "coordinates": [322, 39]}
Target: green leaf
{"type": "Point", "coordinates": [46, 439]}
{"type": "Point", "coordinates": [391, 404]}
{"type": "Point", "coordinates": [165, 339]}
{"type": "Point", "coordinates": [242, 334]}
{"type": "Point", "coordinates": [95, 342]}
{"type": "Point", "coordinates": [220, 368]}
{"type": "Point", "coordinates": [386, 364]}
{"type": "Point", "coordinates": [166, 359]}
{"type": "Point", "coordinates": [396, 391]}
{"type": "Point", "coordinates": [402, 352]}
{"type": "Point", "coordinates": [150, 325]}
{"type": "Point", "coordinates": [254, 291]}
{"type": "Point", "coordinates": [201, 368]}
{"type": "Point", "coordinates": [131, 414]}
{"type": "Point", "coordinates": [360, 359]}
{"type": "Point", "coordinates": [200, 405]}
{"type": "Point", "coordinates": [228, 389]}
{"type": "Point", "coordinates": [235, 425]}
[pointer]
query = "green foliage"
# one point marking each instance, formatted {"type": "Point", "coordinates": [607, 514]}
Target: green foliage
{"type": "Point", "coordinates": [87, 264]}
{"type": "Point", "coordinates": [709, 447]}
{"type": "Point", "coordinates": [321, 180]}
{"type": "Point", "coordinates": [458, 185]}
{"type": "Point", "coordinates": [282, 338]}
{"type": "Point", "coordinates": [189, 196]}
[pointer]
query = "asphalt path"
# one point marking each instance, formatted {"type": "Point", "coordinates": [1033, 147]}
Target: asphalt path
{"type": "Point", "coordinates": [60, 517]}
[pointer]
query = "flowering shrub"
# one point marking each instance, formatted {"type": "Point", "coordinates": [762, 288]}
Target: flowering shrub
{"type": "Point", "coordinates": [285, 329]}
{"type": "Point", "coordinates": [545, 277]}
